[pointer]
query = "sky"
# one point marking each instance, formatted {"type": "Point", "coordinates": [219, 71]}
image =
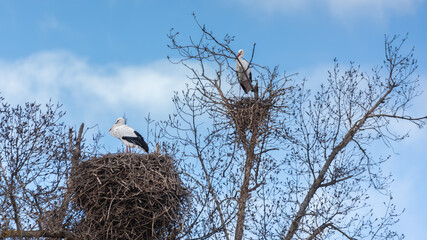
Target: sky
{"type": "Point", "coordinates": [106, 59]}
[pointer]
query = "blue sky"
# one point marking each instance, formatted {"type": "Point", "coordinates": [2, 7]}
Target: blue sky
{"type": "Point", "coordinates": [102, 59]}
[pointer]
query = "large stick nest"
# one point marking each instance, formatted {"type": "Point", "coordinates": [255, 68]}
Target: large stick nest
{"type": "Point", "coordinates": [249, 113]}
{"type": "Point", "coordinates": [129, 196]}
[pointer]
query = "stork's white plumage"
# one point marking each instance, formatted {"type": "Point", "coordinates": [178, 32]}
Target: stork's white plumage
{"type": "Point", "coordinates": [244, 74]}
{"type": "Point", "coordinates": [129, 137]}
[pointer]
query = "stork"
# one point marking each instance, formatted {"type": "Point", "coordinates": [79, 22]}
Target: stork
{"type": "Point", "coordinates": [129, 137]}
{"type": "Point", "coordinates": [243, 71]}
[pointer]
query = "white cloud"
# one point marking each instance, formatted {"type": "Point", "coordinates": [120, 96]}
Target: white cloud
{"type": "Point", "coordinates": [342, 9]}
{"type": "Point", "coordinates": [64, 77]}
{"type": "Point", "coordinates": [376, 9]}
{"type": "Point", "coordinates": [271, 6]}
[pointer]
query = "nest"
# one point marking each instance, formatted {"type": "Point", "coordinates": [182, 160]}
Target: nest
{"type": "Point", "coordinates": [129, 196]}
{"type": "Point", "coordinates": [248, 113]}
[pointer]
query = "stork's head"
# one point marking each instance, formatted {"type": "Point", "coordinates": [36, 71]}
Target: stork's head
{"type": "Point", "coordinates": [119, 121]}
{"type": "Point", "coordinates": [240, 53]}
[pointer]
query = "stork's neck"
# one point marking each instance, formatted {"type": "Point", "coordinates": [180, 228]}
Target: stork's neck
{"type": "Point", "coordinates": [117, 125]}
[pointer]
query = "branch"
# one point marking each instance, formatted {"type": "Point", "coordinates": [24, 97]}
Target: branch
{"type": "Point", "coordinates": [343, 233]}
{"type": "Point", "coordinates": [16, 217]}
{"type": "Point", "coordinates": [334, 181]}
{"type": "Point", "coordinates": [319, 230]}
{"type": "Point", "coordinates": [36, 234]}
{"type": "Point", "coordinates": [208, 180]}
{"type": "Point", "coordinates": [401, 117]}
{"type": "Point", "coordinates": [75, 150]}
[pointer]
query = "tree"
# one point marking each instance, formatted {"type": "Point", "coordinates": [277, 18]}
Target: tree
{"type": "Point", "coordinates": [282, 163]}
{"type": "Point", "coordinates": [36, 154]}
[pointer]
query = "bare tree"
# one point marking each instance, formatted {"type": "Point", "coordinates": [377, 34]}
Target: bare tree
{"type": "Point", "coordinates": [36, 153]}
{"type": "Point", "coordinates": [282, 164]}
{"type": "Point", "coordinates": [348, 114]}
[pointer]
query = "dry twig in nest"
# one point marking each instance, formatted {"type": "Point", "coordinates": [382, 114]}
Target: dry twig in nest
{"type": "Point", "coordinates": [129, 196]}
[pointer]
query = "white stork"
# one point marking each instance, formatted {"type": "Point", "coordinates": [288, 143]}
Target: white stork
{"type": "Point", "coordinates": [129, 137]}
{"type": "Point", "coordinates": [243, 71]}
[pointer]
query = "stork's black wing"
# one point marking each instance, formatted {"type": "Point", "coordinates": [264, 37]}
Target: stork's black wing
{"type": "Point", "coordinates": [138, 140]}
{"type": "Point", "coordinates": [250, 82]}
{"type": "Point", "coordinates": [243, 85]}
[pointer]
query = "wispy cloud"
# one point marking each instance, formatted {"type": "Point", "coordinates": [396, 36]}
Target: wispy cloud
{"type": "Point", "coordinates": [345, 10]}
{"type": "Point", "coordinates": [272, 6]}
{"type": "Point", "coordinates": [64, 77]}
{"type": "Point", "coordinates": [375, 9]}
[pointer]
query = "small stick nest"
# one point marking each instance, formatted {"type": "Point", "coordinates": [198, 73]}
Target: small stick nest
{"type": "Point", "coordinates": [247, 113]}
{"type": "Point", "coordinates": [129, 196]}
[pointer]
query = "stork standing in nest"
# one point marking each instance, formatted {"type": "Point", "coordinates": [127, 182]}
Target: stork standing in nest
{"type": "Point", "coordinates": [243, 71]}
{"type": "Point", "coordinates": [129, 137]}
